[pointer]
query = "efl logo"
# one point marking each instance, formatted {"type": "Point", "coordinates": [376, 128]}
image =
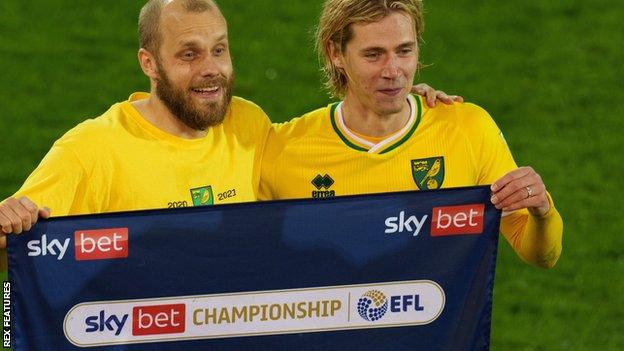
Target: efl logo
{"type": "Point", "coordinates": [158, 319]}
{"type": "Point", "coordinates": [457, 220]}
{"type": "Point", "coordinates": [101, 244]}
{"type": "Point", "coordinates": [373, 305]}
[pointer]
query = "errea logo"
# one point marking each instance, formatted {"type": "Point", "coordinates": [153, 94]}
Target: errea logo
{"type": "Point", "coordinates": [322, 183]}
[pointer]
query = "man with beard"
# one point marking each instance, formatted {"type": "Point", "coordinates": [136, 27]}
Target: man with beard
{"type": "Point", "coordinates": [187, 143]}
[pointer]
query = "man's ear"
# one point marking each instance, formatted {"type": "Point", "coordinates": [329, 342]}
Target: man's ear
{"type": "Point", "coordinates": [148, 63]}
{"type": "Point", "coordinates": [335, 55]}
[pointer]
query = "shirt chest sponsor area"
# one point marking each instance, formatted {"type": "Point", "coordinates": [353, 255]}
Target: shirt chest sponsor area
{"type": "Point", "coordinates": [98, 244]}
{"type": "Point", "coordinates": [444, 221]}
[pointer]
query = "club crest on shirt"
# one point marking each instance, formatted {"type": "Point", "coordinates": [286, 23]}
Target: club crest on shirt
{"type": "Point", "coordinates": [428, 173]}
{"type": "Point", "coordinates": [202, 196]}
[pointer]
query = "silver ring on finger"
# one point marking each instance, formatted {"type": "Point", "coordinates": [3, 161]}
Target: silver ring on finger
{"type": "Point", "coordinates": [529, 191]}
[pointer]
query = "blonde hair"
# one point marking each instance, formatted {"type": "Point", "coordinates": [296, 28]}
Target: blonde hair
{"type": "Point", "coordinates": [149, 20]}
{"type": "Point", "coordinates": [335, 29]}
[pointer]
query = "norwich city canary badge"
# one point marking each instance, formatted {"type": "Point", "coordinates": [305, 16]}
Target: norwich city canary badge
{"type": "Point", "coordinates": [428, 173]}
{"type": "Point", "coordinates": [202, 196]}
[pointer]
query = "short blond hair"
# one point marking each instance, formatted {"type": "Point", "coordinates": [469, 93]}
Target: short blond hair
{"type": "Point", "coordinates": [150, 37]}
{"type": "Point", "coordinates": [335, 29]}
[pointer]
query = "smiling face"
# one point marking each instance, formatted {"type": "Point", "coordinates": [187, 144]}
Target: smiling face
{"type": "Point", "coordinates": [194, 68]}
{"type": "Point", "coordinates": [380, 62]}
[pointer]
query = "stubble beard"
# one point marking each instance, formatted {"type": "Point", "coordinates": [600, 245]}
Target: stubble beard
{"type": "Point", "coordinates": [181, 105]}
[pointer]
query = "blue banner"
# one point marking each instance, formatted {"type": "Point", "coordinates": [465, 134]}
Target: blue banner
{"type": "Point", "coordinates": [396, 271]}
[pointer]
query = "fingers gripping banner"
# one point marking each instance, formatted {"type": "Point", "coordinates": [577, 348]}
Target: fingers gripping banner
{"type": "Point", "coordinates": [399, 271]}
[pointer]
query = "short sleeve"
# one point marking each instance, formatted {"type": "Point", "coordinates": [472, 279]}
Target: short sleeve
{"type": "Point", "coordinates": [272, 151]}
{"type": "Point", "coordinates": [55, 182]}
{"type": "Point", "coordinates": [491, 152]}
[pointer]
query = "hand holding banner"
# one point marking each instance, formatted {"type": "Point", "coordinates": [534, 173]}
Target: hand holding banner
{"type": "Point", "coordinates": [409, 270]}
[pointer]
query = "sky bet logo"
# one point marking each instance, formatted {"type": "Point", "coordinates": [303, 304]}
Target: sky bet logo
{"type": "Point", "coordinates": [102, 323]}
{"type": "Point", "coordinates": [448, 220]}
{"type": "Point", "coordinates": [101, 244]}
{"type": "Point", "coordinates": [146, 320]}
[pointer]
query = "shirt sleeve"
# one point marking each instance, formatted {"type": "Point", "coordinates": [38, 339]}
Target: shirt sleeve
{"type": "Point", "coordinates": [265, 129]}
{"type": "Point", "coordinates": [55, 182]}
{"type": "Point", "coordinates": [270, 156]}
{"type": "Point", "coordinates": [536, 240]}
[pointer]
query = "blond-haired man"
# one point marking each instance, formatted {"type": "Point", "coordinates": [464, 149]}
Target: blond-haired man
{"type": "Point", "coordinates": [380, 138]}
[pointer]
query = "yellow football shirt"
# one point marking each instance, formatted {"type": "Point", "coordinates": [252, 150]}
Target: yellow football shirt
{"type": "Point", "coordinates": [119, 161]}
{"type": "Point", "coordinates": [317, 156]}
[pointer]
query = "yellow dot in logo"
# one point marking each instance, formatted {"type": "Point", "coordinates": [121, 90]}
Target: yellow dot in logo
{"type": "Point", "coordinates": [432, 184]}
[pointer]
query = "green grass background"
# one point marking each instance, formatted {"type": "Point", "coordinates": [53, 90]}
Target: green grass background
{"type": "Point", "coordinates": [550, 72]}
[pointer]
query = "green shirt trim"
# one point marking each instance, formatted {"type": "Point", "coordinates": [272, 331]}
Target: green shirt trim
{"type": "Point", "coordinates": [332, 117]}
{"type": "Point", "coordinates": [342, 137]}
{"type": "Point", "coordinates": [411, 131]}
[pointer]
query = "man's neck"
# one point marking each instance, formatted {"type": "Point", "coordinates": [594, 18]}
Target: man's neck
{"type": "Point", "coordinates": [365, 121]}
{"type": "Point", "coordinates": [157, 113]}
